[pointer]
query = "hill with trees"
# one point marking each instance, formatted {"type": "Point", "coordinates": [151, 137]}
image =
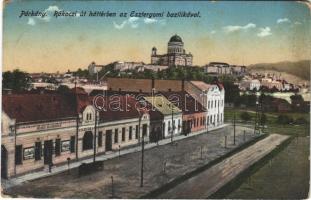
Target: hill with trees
{"type": "Point", "coordinates": [300, 69]}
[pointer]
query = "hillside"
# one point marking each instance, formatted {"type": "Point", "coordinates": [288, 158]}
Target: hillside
{"type": "Point", "coordinates": [299, 69]}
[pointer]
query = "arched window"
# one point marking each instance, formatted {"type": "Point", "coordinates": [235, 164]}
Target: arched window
{"type": "Point", "coordinates": [87, 140]}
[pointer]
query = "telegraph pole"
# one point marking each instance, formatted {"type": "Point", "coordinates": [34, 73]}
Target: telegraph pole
{"type": "Point", "coordinates": [234, 128]}
{"type": "Point", "coordinates": [142, 152]}
{"type": "Point", "coordinates": [172, 132]}
{"type": "Point", "coordinates": [142, 163]}
{"type": "Point", "coordinates": [95, 129]}
{"type": "Point", "coordinates": [77, 121]}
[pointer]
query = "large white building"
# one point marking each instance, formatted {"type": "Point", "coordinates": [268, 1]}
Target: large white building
{"type": "Point", "coordinates": [212, 97]}
{"type": "Point", "coordinates": [176, 54]}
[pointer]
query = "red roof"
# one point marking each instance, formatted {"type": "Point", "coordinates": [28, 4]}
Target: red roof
{"type": "Point", "coordinates": [38, 107]}
{"type": "Point", "coordinates": [120, 108]}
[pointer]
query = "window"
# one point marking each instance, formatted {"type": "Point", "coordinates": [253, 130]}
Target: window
{"type": "Point", "coordinates": [38, 150]}
{"type": "Point", "coordinates": [89, 116]}
{"type": "Point", "coordinates": [72, 144]}
{"type": "Point", "coordinates": [87, 140]}
{"type": "Point", "coordinates": [100, 139]}
{"type": "Point", "coordinates": [18, 154]}
{"type": "Point", "coordinates": [136, 132]}
{"type": "Point", "coordinates": [145, 130]}
{"type": "Point", "coordinates": [57, 147]}
{"type": "Point", "coordinates": [65, 146]}
{"type": "Point", "coordinates": [179, 125]}
{"type": "Point", "coordinates": [29, 153]}
{"type": "Point", "coordinates": [130, 133]}
{"type": "Point", "coordinates": [123, 134]}
{"type": "Point", "coordinates": [173, 124]}
{"type": "Point", "coordinates": [116, 135]}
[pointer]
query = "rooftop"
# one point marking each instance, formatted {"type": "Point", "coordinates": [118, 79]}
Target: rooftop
{"type": "Point", "coordinates": [163, 105]}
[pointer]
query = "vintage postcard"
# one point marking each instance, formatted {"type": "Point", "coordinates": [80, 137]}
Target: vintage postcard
{"type": "Point", "coordinates": [155, 99]}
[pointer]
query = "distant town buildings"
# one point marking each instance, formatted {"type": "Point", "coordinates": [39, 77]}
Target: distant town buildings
{"type": "Point", "coordinates": [95, 68]}
{"type": "Point", "coordinates": [123, 66]}
{"type": "Point", "coordinates": [219, 68]}
{"type": "Point", "coordinates": [176, 54]}
{"type": "Point", "coordinates": [250, 84]}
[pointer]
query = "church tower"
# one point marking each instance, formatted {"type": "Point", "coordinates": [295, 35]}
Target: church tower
{"type": "Point", "coordinates": [154, 51]}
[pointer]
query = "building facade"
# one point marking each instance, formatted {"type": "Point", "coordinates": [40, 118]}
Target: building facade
{"type": "Point", "coordinates": [199, 90]}
{"type": "Point", "coordinates": [172, 115]}
{"type": "Point", "coordinates": [37, 135]}
{"type": "Point", "coordinates": [194, 114]}
{"type": "Point", "coordinates": [176, 54]}
{"type": "Point", "coordinates": [212, 97]}
{"type": "Point", "coordinates": [218, 68]}
{"type": "Point", "coordinates": [253, 84]}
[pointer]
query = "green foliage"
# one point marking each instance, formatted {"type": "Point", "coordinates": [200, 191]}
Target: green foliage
{"type": "Point", "coordinates": [284, 119]}
{"type": "Point", "coordinates": [263, 119]}
{"type": "Point", "coordinates": [301, 120]}
{"type": "Point", "coordinates": [81, 73]}
{"type": "Point", "coordinates": [248, 100]}
{"type": "Point", "coordinates": [63, 89]}
{"type": "Point", "coordinates": [245, 116]}
{"type": "Point", "coordinates": [16, 80]}
{"type": "Point", "coordinates": [296, 98]}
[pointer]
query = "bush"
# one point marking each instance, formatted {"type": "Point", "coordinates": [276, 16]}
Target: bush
{"type": "Point", "coordinates": [245, 116]}
{"type": "Point", "coordinates": [284, 119]}
{"type": "Point", "coordinates": [263, 119]}
{"type": "Point", "coordinates": [301, 120]}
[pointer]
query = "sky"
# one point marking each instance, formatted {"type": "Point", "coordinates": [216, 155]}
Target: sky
{"type": "Point", "coordinates": [240, 33]}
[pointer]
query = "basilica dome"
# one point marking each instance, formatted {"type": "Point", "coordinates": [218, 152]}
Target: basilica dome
{"type": "Point", "coordinates": [175, 38]}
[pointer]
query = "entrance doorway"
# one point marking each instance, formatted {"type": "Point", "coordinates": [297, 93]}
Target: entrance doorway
{"type": "Point", "coordinates": [4, 162]}
{"type": "Point", "coordinates": [108, 140]}
{"type": "Point", "coordinates": [48, 151]}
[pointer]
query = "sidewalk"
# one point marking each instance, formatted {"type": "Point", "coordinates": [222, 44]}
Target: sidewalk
{"type": "Point", "coordinates": [55, 170]}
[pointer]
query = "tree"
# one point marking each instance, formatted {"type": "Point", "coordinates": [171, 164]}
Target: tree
{"type": "Point", "coordinates": [63, 89]}
{"type": "Point", "coordinates": [81, 73]}
{"type": "Point", "coordinates": [245, 116]}
{"type": "Point", "coordinates": [301, 120]}
{"type": "Point", "coordinates": [16, 80]}
{"type": "Point", "coordinates": [284, 119]}
{"type": "Point", "coordinates": [232, 91]}
{"type": "Point", "coordinates": [296, 98]}
{"type": "Point", "coordinates": [263, 119]}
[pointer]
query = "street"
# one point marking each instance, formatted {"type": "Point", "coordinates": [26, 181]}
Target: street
{"type": "Point", "coordinates": [162, 164]}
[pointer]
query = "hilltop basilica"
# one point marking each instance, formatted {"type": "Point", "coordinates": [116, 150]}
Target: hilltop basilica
{"type": "Point", "coordinates": [176, 54]}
